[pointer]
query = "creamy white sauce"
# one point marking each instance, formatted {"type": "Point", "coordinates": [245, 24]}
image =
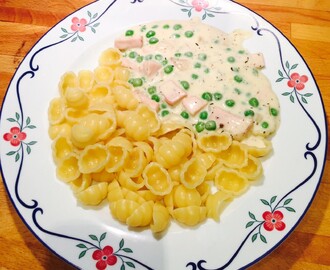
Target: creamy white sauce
{"type": "Point", "coordinates": [210, 61]}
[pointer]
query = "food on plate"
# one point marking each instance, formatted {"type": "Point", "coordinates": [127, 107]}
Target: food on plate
{"type": "Point", "coordinates": [170, 125]}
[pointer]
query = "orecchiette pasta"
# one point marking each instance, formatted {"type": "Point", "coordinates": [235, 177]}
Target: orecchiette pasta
{"type": "Point", "coordinates": [107, 144]}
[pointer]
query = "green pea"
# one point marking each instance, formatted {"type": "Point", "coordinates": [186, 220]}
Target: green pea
{"type": "Point", "coordinates": [155, 98]}
{"type": "Point", "coordinates": [148, 57]}
{"type": "Point", "coordinates": [255, 72]}
{"type": "Point", "coordinates": [168, 69]}
{"type": "Point", "coordinates": [153, 40]}
{"type": "Point", "coordinates": [237, 91]}
{"type": "Point", "coordinates": [241, 51]}
{"type": "Point", "coordinates": [189, 34]}
{"type": "Point", "coordinates": [177, 35]}
{"type": "Point", "coordinates": [129, 33]}
{"type": "Point", "coordinates": [265, 125]}
{"type": "Point", "coordinates": [203, 115]}
{"type": "Point", "coordinates": [166, 26]}
{"type": "Point", "coordinates": [165, 62]}
{"type": "Point", "coordinates": [158, 57]}
{"type": "Point", "coordinates": [230, 103]}
{"type": "Point", "coordinates": [132, 54]}
{"type": "Point", "coordinates": [188, 54]}
{"type": "Point", "coordinates": [163, 105]}
{"type": "Point", "coordinates": [207, 96]}
{"type": "Point", "coordinates": [238, 78]}
{"type": "Point", "coordinates": [185, 115]}
{"type": "Point", "coordinates": [136, 82]}
{"type": "Point", "coordinates": [207, 70]}
{"type": "Point", "coordinates": [273, 112]}
{"type": "Point", "coordinates": [185, 85]}
{"type": "Point", "coordinates": [139, 59]}
{"type": "Point", "coordinates": [197, 65]}
{"type": "Point", "coordinates": [200, 126]}
{"type": "Point", "coordinates": [194, 76]}
{"type": "Point", "coordinates": [249, 113]}
{"type": "Point", "coordinates": [228, 49]}
{"type": "Point", "coordinates": [254, 102]}
{"type": "Point", "coordinates": [150, 34]}
{"type": "Point", "coordinates": [217, 96]}
{"type": "Point", "coordinates": [178, 54]}
{"type": "Point", "coordinates": [154, 26]}
{"type": "Point", "coordinates": [202, 56]}
{"type": "Point", "coordinates": [211, 125]}
{"type": "Point", "coordinates": [165, 112]}
{"type": "Point", "coordinates": [177, 26]}
{"type": "Point", "coordinates": [231, 59]}
{"type": "Point", "coordinates": [152, 90]}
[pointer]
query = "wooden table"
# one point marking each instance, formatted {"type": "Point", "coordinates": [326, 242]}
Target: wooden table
{"type": "Point", "coordinates": [305, 22]}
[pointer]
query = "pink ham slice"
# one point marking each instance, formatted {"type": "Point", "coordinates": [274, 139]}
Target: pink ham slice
{"type": "Point", "coordinates": [150, 68]}
{"type": "Point", "coordinates": [124, 43]}
{"type": "Point", "coordinates": [172, 92]}
{"type": "Point", "coordinates": [193, 104]}
{"type": "Point", "coordinates": [143, 98]}
{"type": "Point", "coordinates": [237, 126]}
{"type": "Point", "coordinates": [255, 60]}
{"type": "Point", "coordinates": [131, 64]}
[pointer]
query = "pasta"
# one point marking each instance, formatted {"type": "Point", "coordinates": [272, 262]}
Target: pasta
{"type": "Point", "coordinates": [107, 144]}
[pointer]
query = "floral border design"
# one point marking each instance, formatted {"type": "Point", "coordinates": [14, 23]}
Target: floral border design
{"type": "Point", "coordinates": [16, 136]}
{"type": "Point", "coordinates": [272, 219]}
{"type": "Point", "coordinates": [105, 254]}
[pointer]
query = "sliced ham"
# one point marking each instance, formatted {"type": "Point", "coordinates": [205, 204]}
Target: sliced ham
{"type": "Point", "coordinates": [150, 68]}
{"type": "Point", "coordinates": [131, 64]}
{"type": "Point", "coordinates": [237, 126]}
{"type": "Point", "coordinates": [181, 64]}
{"type": "Point", "coordinates": [172, 92]}
{"type": "Point", "coordinates": [255, 60]}
{"type": "Point", "coordinates": [143, 98]}
{"type": "Point", "coordinates": [124, 43]}
{"type": "Point", "coordinates": [193, 104]}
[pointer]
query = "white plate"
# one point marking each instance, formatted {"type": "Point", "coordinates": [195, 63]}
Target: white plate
{"type": "Point", "coordinates": [47, 206]}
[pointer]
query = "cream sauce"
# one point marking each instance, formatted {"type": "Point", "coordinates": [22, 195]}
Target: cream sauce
{"type": "Point", "coordinates": [205, 63]}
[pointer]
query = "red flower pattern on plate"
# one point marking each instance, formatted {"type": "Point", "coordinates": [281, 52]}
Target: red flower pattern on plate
{"type": "Point", "coordinates": [297, 81]}
{"type": "Point", "coordinates": [104, 257]}
{"type": "Point", "coordinates": [15, 136]}
{"type": "Point", "coordinates": [199, 5]}
{"type": "Point", "coordinates": [78, 24]}
{"type": "Point", "coordinates": [273, 220]}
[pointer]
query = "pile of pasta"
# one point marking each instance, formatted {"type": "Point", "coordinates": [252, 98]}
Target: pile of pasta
{"type": "Point", "coordinates": [109, 146]}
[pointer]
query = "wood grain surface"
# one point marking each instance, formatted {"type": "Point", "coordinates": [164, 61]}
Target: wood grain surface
{"type": "Point", "coordinates": [307, 25]}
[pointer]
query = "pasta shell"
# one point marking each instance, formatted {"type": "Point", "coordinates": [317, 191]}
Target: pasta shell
{"type": "Point", "coordinates": [214, 142]}
{"type": "Point", "coordinates": [93, 195]}
{"type": "Point", "coordinates": [193, 173]}
{"type": "Point", "coordinates": [215, 203]}
{"type": "Point", "coordinates": [141, 216]}
{"type": "Point", "coordinates": [190, 215]}
{"type": "Point", "coordinates": [67, 170]}
{"type": "Point", "coordinates": [157, 179]}
{"type": "Point", "coordinates": [230, 181]}
{"type": "Point", "coordinates": [93, 158]}
{"type": "Point", "coordinates": [160, 218]}
{"type": "Point", "coordinates": [236, 156]}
